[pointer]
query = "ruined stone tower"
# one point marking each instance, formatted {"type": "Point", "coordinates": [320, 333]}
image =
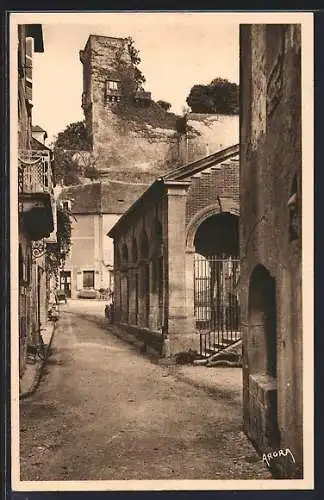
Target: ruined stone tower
{"type": "Point", "coordinates": [130, 134]}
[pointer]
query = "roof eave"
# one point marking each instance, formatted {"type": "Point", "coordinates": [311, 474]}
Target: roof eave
{"type": "Point", "coordinates": [203, 163]}
{"type": "Point", "coordinates": [36, 32]}
{"type": "Point", "coordinates": [147, 193]}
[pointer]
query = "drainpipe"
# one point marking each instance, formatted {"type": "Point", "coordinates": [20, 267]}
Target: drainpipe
{"type": "Point", "coordinates": [100, 236]}
{"type": "Point", "coordinates": [187, 139]}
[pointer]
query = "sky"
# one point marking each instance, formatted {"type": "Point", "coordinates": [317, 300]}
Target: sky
{"type": "Point", "coordinates": [177, 51]}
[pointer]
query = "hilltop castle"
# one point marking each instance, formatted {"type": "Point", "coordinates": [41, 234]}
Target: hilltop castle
{"type": "Point", "coordinates": [132, 137]}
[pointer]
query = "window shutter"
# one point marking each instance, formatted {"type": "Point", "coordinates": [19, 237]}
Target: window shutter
{"type": "Point", "coordinates": [79, 280]}
{"type": "Point", "coordinates": [97, 284]}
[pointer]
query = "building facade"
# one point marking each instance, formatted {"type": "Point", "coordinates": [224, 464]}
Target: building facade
{"type": "Point", "coordinates": [270, 240]}
{"type": "Point", "coordinates": [36, 206]}
{"type": "Point", "coordinates": [95, 208]}
{"type": "Point", "coordinates": [176, 258]}
{"type": "Point", "coordinates": [133, 141]}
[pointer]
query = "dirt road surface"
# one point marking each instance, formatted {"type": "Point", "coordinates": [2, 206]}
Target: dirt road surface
{"type": "Point", "coordinates": [105, 411]}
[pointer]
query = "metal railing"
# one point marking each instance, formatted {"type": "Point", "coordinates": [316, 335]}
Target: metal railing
{"type": "Point", "coordinates": [216, 302]}
{"type": "Point", "coordinates": [34, 172]}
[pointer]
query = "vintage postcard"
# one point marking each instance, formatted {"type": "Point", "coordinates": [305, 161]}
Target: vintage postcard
{"type": "Point", "coordinates": [161, 251]}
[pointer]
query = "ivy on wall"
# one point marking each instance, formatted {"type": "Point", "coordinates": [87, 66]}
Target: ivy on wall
{"type": "Point", "coordinates": [57, 252]}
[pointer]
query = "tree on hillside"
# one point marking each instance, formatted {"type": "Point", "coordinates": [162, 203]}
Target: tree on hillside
{"type": "Point", "coordinates": [164, 104]}
{"type": "Point", "coordinates": [74, 136]}
{"type": "Point", "coordinates": [219, 96]}
{"type": "Point", "coordinates": [57, 252]}
{"type": "Point", "coordinates": [72, 155]}
{"type": "Point", "coordinates": [135, 60]}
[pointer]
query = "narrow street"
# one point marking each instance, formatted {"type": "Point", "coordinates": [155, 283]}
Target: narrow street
{"type": "Point", "coordinates": [104, 410]}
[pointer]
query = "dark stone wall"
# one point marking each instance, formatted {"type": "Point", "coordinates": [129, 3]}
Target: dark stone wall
{"type": "Point", "coordinates": [270, 232]}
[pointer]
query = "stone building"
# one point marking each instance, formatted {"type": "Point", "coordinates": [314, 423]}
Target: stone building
{"type": "Point", "coordinates": [176, 257]}
{"type": "Point", "coordinates": [270, 240]}
{"type": "Point", "coordinates": [36, 206]}
{"type": "Point", "coordinates": [132, 137]}
{"type": "Point", "coordinates": [95, 207]}
{"type": "Point", "coordinates": [133, 141]}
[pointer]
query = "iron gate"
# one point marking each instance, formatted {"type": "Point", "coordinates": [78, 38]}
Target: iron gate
{"type": "Point", "coordinates": [216, 301]}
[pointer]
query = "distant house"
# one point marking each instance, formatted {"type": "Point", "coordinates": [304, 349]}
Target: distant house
{"type": "Point", "coordinates": [39, 134]}
{"type": "Point", "coordinates": [96, 207]}
{"type": "Point", "coordinates": [176, 258]}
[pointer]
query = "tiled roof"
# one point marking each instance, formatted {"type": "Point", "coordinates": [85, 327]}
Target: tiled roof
{"type": "Point", "coordinates": [35, 144]}
{"type": "Point", "coordinates": [181, 175]}
{"type": "Point", "coordinates": [109, 197]}
{"type": "Point", "coordinates": [37, 128]}
{"type": "Point", "coordinates": [187, 171]}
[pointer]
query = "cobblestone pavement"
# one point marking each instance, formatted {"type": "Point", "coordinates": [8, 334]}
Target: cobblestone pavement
{"type": "Point", "coordinates": [105, 411]}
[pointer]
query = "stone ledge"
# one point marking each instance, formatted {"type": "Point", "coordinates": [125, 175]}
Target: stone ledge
{"type": "Point", "coordinates": [29, 383]}
{"type": "Point", "coordinates": [149, 337]}
{"type": "Point", "coordinates": [263, 388]}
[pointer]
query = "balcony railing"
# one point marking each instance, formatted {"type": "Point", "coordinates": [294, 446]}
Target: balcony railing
{"type": "Point", "coordinates": [141, 95]}
{"type": "Point", "coordinates": [142, 98]}
{"type": "Point", "coordinates": [113, 95]}
{"type": "Point", "coordinates": [113, 92]}
{"type": "Point", "coordinates": [34, 172]}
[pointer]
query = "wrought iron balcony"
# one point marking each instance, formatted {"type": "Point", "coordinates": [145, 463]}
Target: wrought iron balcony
{"type": "Point", "coordinates": [113, 95]}
{"type": "Point", "coordinates": [142, 97]}
{"type": "Point", "coordinates": [34, 172]}
{"type": "Point", "coordinates": [141, 94]}
{"type": "Point", "coordinates": [113, 92]}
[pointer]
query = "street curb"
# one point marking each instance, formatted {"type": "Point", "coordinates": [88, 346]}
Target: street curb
{"type": "Point", "coordinates": [39, 370]}
{"type": "Point", "coordinates": [152, 354]}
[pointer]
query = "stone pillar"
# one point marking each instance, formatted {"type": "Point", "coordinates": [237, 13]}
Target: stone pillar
{"type": "Point", "coordinates": [176, 313]}
{"type": "Point", "coordinates": [132, 295]}
{"type": "Point", "coordinates": [154, 293]}
{"type": "Point", "coordinates": [144, 291]}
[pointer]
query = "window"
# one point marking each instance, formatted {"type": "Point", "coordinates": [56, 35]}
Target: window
{"type": "Point", "coordinates": [294, 210]}
{"type": "Point", "coordinates": [88, 279]}
{"type": "Point", "coordinates": [66, 205]}
{"type": "Point", "coordinates": [113, 93]}
{"type": "Point", "coordinates": [112, 85]}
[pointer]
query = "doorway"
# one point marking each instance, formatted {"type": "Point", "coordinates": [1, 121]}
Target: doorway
{"type": "Point", "coordinates": [65, 283]}
{"type": "Point", "coordinates": [216, 277]}
{"type": "Point", "coordinates": [262, 341]}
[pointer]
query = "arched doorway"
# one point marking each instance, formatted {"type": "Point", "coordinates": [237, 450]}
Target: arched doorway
{"type": "Point", "coordinates": [218, 235]}
{"type": "Point", "coordinates": [216, 277]}
{"type": "Point", "coordinates": [262, 339]}
{"type": "Point", "coordinates": [262, 321]}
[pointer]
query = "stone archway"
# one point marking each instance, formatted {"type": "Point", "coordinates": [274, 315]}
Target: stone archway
{"type": "Point", "coordinates": [218, 236]}
{"type": "Point", "coordinates": [228, 205]}
{"type": "Point", "coordinates": [212, 263]}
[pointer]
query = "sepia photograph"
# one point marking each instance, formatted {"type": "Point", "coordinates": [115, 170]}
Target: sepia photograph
{"type": "Point", "coordinates": [161, 169]}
